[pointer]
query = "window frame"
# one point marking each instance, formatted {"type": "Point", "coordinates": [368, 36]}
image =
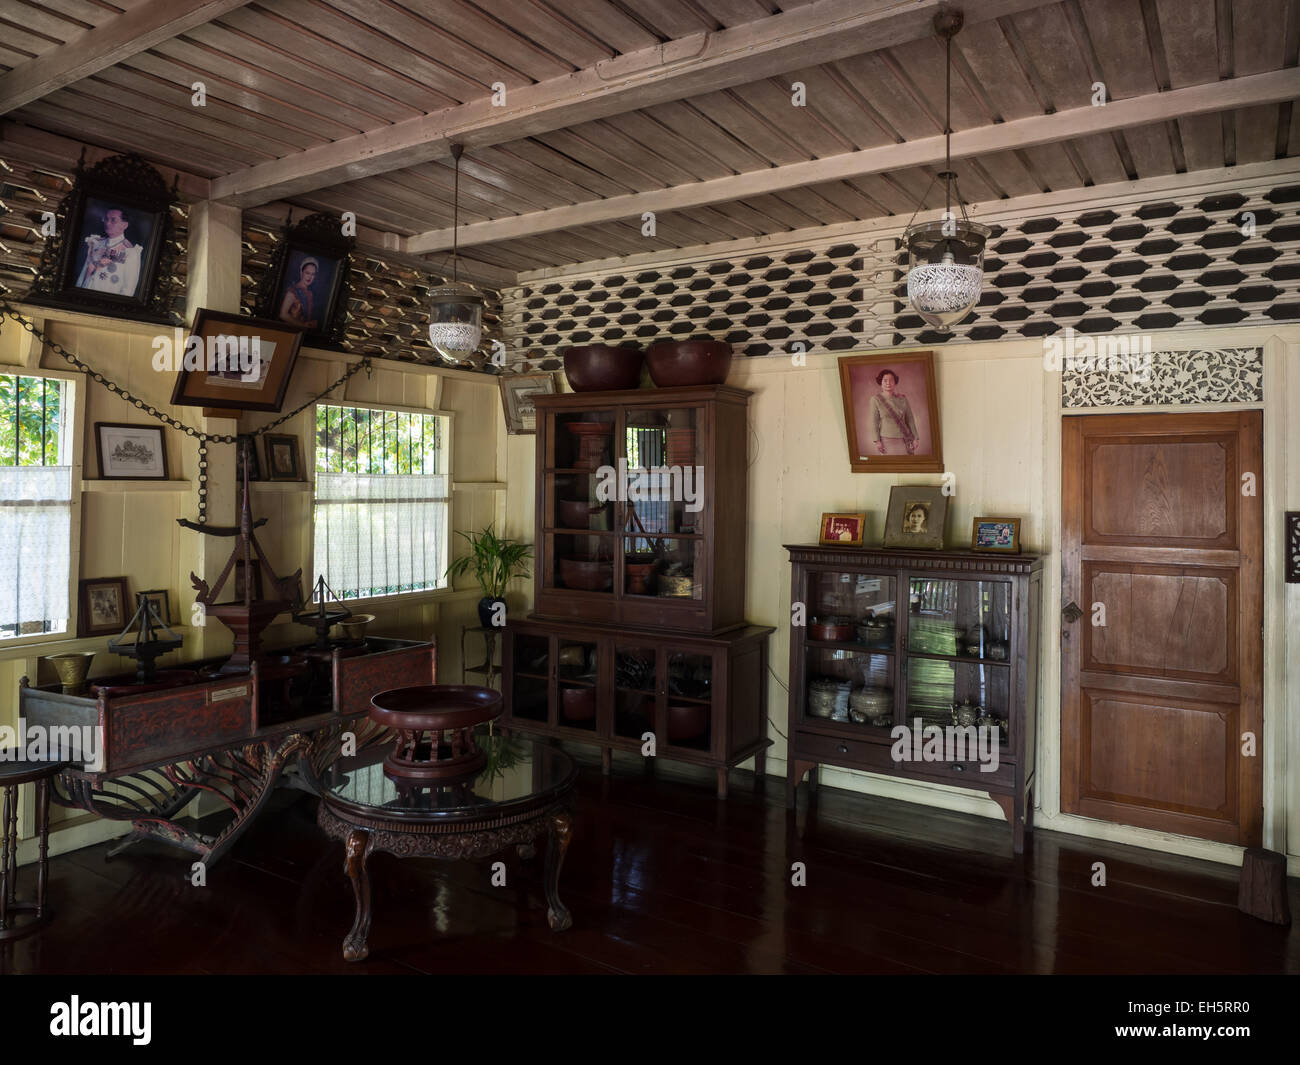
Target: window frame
{"type": "Point", "coordinates": [393, 598]}
{"type": "Point", "coordinates": [75, 420]}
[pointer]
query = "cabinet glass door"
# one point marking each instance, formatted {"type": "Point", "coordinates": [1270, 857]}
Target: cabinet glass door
{"type": "Point", "coordinates": [636, 686]}
{"type": "Point", "coordinates": [959, 648]}
{"type": "Point", "coordinates": [576, 665]}
{"type": "Point", "coordinates": [849, 649]}
{"type": "Point", "coordinates": [577, 523]}
{"type": "Point", "coordinates": [531, 665]}
{"type": "Point", "coordinates": [663, 506]}
{"type": "Point", "coordinates": [688, 682]}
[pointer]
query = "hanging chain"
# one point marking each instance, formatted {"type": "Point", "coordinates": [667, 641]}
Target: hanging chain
{"type": "Point", "coordinates": [7, 311]}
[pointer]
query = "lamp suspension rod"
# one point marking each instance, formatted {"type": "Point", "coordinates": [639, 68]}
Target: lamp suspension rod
{"type": "Point", "coordinates": [456, 151]}
{"type": "Point", "coordinates": [947, 124]}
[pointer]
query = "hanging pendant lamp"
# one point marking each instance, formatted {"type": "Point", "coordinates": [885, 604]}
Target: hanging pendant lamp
{"type": "Point", "coordinates": [946, 258]}
{"type": "Point", "coordinates": [455, 309]}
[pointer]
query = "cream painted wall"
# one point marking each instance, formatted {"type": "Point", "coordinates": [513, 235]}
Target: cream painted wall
{"type": "Point", "coordinates": [1001, 438]}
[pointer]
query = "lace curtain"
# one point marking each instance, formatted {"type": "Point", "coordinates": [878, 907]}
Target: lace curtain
{"type": "Point", "coordinates": [35, 549]}
{"type": "Point", "coordinates": [379, 535]}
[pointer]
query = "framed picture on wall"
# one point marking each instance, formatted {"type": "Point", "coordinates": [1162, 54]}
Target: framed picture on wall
{"type": "Point", "coordinates": [136, 452]}
{"type": "Point", "coordinates": [307, 283]}
{"type": "Point", "coordinates": [158, 598]}
{"type": "Point", "coordinates": [891, 413]}
{"type": "Point", "coordinates": [104, 607]}
{"type": "Point", "coordinates": [844, 530]}
{"type": "Point", "coordinates": [517, 392]}
{"type": "Point", "coordinates": [282, 463]}
{"type": "Point", "coordinates": [112, 249]}
{"type": "Point", "coordinates": [996, 534]}
{"type": "Point", "coordinates": [916, 518]}
{"type": "Point", "coordinates": [245, 363]}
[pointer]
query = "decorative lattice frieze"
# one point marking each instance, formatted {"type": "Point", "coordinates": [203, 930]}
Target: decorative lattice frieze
{"type": "Point", "coordinates": [1106, 376]}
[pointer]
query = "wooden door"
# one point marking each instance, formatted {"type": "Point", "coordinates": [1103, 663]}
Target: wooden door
{"type": "Point", "coordinates": [1163, 542]}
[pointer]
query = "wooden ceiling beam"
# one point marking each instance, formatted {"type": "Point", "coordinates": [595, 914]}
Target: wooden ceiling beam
{"type": "Point", "coordinates": [135, 30]}
{"type": "Point", "coordinates": [1225, 96]}
{"type": "Point", "coordinates": [694, 65]}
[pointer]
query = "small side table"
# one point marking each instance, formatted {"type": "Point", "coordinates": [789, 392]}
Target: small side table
{"type": "Point", "coordinates": [489, 670]}
{"type": "Point", "coordinates": [12, 776]}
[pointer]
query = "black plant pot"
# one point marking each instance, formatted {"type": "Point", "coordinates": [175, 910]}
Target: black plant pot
{"type": "Point", "coordinates": [486, 608]}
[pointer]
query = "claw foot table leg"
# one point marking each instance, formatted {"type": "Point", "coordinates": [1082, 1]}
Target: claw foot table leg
{"type": "Point", "coordinates": [560, 831]}
{"type": "Point", "coordinates": [356, 848]}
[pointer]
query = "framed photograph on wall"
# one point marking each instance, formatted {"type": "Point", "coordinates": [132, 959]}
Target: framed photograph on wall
{"type": "Point", "coordinates": [250, 364]}
{"type": "Point", "coordinates": [134, 452]}
{"type": "Point", "coordinates": [282, 462]}
{"type": "Point", "coordinates": [308, 281]}
{"type": "Point", "coordinates": [996, 534]}
{"type": "Point", "coordinates": [112, 248]}
{"type": "Point", "coordinates": [517, 391]}
{"type": "Point", "coordinates": [843, 530]}
{"type": "Point", "coordinates": [916, 518]}
{"type": "Point", "coordinates": [104, 607]}
{"type": "Point", "coordinates": [161, 603]}
{"type": "Point", "coordinates": [891, 413]}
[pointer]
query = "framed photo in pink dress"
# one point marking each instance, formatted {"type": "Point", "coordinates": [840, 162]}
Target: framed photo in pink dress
{"type": "Point", "coordinates": [891, 413]}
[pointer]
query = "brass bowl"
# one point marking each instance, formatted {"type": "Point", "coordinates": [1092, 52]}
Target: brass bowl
{"type": "Point", "coordinates": [354, 628]}
{"type": "Point", "coordinates": [72, 668]}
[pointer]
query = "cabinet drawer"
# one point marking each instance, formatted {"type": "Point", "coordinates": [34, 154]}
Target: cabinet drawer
{"type": "Point", "coordinates": [859, 754]}
{"type": "Point", "coordinates": [963, 774]}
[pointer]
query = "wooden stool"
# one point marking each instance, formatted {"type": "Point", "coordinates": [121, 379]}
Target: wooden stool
{"type": "Point", "coordinates": [12, 776]}
{"type": "Point", "coordinates": [1262, 892]}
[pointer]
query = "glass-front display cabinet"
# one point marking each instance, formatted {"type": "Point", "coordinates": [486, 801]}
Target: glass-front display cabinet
{"type": "Point", "coordinates": [917, 664]}
{"type": "Point", "coordinates": [641, 507]}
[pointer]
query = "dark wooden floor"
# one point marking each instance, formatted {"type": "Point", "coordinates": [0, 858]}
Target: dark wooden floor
{"type": "Point", "coordinates": [661, 878]}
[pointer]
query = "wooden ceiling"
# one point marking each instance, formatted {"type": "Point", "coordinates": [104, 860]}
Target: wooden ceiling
{"type": "Point", "coordinates": [682, 107]}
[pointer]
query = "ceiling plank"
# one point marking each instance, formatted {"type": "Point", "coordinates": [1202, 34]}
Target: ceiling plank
{"type": "Point", "coordinates": [1257, 89]}
{"type": "Point", "coordinates": [131, 32]}
{"type": "Point", "coordinates": [685, 67]}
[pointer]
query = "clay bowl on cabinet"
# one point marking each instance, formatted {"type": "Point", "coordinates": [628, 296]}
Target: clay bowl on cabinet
{"type": "Point", "coordinates": [576, 513]}
{"type": "Point", "coordinates": [587, 574]}
{"type": "Point", "coordinates": [687, 721]}
{"type": "Point", "coordinates": [831, 628]}
{"type": "Point", "coordinates": [578, 704]}
{"type": "Point", "coordinates": [602, 368]}
{"type": "Point", "coordinates": [681, 363]}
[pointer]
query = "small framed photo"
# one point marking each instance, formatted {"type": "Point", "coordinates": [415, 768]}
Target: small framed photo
{"type": "Point", "coordinates": [996, 534]}
{"type": "Point", "coordinates": [160, 601]}
{"type": "Point", "coordinates": [135, 452]}
{"type": "Point", "coordinates": [246, 446]}
{"type": "Point", "coordinates": [891, 413]}
{"type": "Point", "coordinates": [517, 392]}
{"type": "Point", "coordinates": [917, 514]}
{"type": "Point", "coordinates": [104, 605]}
{"type": "Point", "coordinates": [243, 363]}
{"type": "Point", "coordinates": [282, 463]}
{"type": "Point", "coordinates": [843, 530]}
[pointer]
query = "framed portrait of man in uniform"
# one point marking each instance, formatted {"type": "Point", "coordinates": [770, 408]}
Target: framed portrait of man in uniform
{"type": "Point", "coordinates": [111, 250]}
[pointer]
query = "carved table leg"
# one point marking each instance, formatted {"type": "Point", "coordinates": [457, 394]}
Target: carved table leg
{"type": "Point", "coordinates": [606, 760]}
{"type": "Point", "coordinates": [722, 782]}
{"type": "Point", "coordinates": [356, 848]}
{"type": "Point", "coordinates": [561, 830]}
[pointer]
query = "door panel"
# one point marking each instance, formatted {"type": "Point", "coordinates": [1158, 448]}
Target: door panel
{"type": "Point", "coordinates": [1155, 699]}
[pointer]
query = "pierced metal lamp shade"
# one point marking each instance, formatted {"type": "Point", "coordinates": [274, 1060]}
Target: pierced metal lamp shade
{"type": "Point", "coordinates": [945, 270]}
{"type": "Point", "coordinates": [455, 321]}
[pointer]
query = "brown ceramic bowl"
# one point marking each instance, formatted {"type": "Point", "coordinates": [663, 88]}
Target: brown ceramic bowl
{"type": "Point", "coordinates": [687, 721]}
{"type": "Point", "coordinates": [578, 704]}
{"type": "Point", "coordinates": [679, 363]}
{"type": "Point", "coordinates": [839, 629]}
{"type": "Point", "coordinates": [602, 368]}
{"type": "Point", "coordinates": [575, 513]}
{"type": "Point", "coordinates": [587, 574]}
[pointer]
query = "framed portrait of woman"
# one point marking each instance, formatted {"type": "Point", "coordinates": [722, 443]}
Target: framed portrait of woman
{"type": "Point", "coordinates": [307, 282]}
{"type": "Point", "coordinates": [891, 413]}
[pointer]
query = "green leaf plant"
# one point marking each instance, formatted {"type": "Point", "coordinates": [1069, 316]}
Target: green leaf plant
{"type": "Point", "coordinates": [493, 560]}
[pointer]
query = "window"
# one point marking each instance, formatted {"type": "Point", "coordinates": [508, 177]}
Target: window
{"type": "Point", "coordinates": [35, 506]}
{"type": "Point", "coordinates": [382, 500]}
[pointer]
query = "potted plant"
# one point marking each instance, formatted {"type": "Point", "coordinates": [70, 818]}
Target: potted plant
{"type": "Point", "coordinates": [494, 561]}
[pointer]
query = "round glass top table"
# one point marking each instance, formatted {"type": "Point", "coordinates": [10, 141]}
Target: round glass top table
{"type": "Point", "coordinates": [524, 791]}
